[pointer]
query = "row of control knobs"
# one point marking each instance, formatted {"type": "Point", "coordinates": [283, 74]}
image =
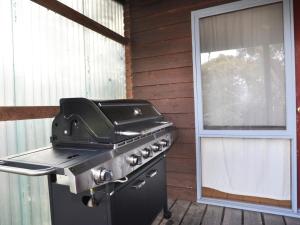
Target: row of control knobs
{"type": "Point", "coordinates": [104, 175]}
{"type": "Point", "coordinates": [135, 159]}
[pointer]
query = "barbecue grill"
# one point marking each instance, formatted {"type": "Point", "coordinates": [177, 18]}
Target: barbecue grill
{"type": "Point", "coordinates": [106, 165]}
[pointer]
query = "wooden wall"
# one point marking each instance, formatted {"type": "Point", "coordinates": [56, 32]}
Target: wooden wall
{"type": "Point", "coordinates": [161, 71]}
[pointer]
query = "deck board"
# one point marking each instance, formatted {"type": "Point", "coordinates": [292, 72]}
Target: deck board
{"type": "Point", "coordinates": [213, 215]}
{"type": "Point", "coordinates": [252, 218]}
{"type": "Point", "coordinates": [292, 221]}
{"type": "Point", "coordinates": [194, 214]}
{"type": "Point", "coordinates": [232, 217]}
{"type": "Point", "coordinates": [191, 213]}
{"type": "Point", "coordinates": [273, 219]}
{"type": "Point", "coordinates": [178, 211]}
{"type": "Point", "coordinates": [159, 218]}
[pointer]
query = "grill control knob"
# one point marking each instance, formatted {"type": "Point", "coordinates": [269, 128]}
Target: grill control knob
{"type": "Point", "coordinates": [102, 175]}
{"type": "Point", "coordinates": [146, 153]}
{"type": "Point", "coordinates": [155, 147]}
{"type": "Point", "coordinates": [163, 143]}
{"type": "Point", "coordinates": [134, 160]}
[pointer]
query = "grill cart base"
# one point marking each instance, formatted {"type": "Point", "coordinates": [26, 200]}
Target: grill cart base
{"type": "Point", "coordinates": [136, 202]}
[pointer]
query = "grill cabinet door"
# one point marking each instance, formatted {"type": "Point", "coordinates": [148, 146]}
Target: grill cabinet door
{"type": "Point", "coordinates": [142, 199]}
{"type": "Point", "coordinates": [69, 209]}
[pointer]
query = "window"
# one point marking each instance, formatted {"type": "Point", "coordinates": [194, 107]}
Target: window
{"type": "Point", "coordinates": [43, 58]}
{"type": "Point", "coordinates": [245, 103]}
{"type": "Point", "coordinates": [242, 68]}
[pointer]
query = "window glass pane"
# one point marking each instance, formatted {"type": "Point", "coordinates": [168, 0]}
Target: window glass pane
{"type": "Point", "coordinates": [247, 167]}
{"type": "Point", "coordinates": [243, 69]}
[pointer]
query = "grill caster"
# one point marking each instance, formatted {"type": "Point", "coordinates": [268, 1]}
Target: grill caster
{"type": "Point", "coordinates": [167, 214]}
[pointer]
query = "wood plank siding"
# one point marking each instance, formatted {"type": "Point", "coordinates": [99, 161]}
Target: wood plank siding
{"type": "Point", "coordinates": [27, 112]}
{"type": "Point", "coordinates": [161, 67]}
{"type": "Point", "coordinates": [128, 51]}
{"type": "Point", "coordinates": [161, 71]}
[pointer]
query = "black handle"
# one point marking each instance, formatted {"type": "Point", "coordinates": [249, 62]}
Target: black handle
{"type": "Point", "coordinates": [152, 173]}
{"type": "Point", "coordinates": [139, 184]}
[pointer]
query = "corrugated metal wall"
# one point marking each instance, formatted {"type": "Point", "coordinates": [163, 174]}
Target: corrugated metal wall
{"type": "Point", "coordinates": [45, 57]}
{"type": "Point", "coordinates": [106, 12]}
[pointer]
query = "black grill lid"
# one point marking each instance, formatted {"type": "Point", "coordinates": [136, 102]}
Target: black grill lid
{"type": "Point", "coordinates": [121, 112]}
{"type": "Point", "coordinates": [84, 122]}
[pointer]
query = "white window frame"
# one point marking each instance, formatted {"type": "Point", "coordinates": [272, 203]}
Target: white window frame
{"type": "Point", "coordinates": [289, 133]}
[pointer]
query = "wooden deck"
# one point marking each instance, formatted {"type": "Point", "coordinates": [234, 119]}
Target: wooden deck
{"type": "Point", "coordinates": [189, 213]}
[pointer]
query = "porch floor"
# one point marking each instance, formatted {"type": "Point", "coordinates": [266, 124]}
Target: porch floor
{"type": "Point", "coordinates": [190, 213]}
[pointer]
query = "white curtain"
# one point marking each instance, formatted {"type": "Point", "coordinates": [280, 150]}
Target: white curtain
{"type": "Point", "coordinates": [248, 167]}
{"type": "Point", "coordinates": [244, 28]}
{"type": "Point", "coordinates": [242, 68]}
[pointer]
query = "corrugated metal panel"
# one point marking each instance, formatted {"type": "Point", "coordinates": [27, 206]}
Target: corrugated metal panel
{"type": "Point", "coordinates": [109, 13]}
{"type": "Point", "coordinates": [25, 199]}
{"type": "Point", "coordinates": [55, 57]}
{"type": "Point", "coordinates": [49, 56]}
{"type": "Point", "coordinates": [6, 55]}
{"type": "Point", "coordinates": [111, 83]}
{"type": "Point", "coordinates": [45, 57]}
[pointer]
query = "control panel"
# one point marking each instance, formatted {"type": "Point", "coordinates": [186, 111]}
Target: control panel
{"type": "Point", "coordinates": [122, 165]}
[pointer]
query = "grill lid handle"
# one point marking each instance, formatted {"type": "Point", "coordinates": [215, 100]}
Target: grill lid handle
{"type": "Point", "coordinates": [144, 132]}
{"type": "Point", "coordinates": [128, 133]}
{"type": "Point", "coordinates": [5, 167]}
